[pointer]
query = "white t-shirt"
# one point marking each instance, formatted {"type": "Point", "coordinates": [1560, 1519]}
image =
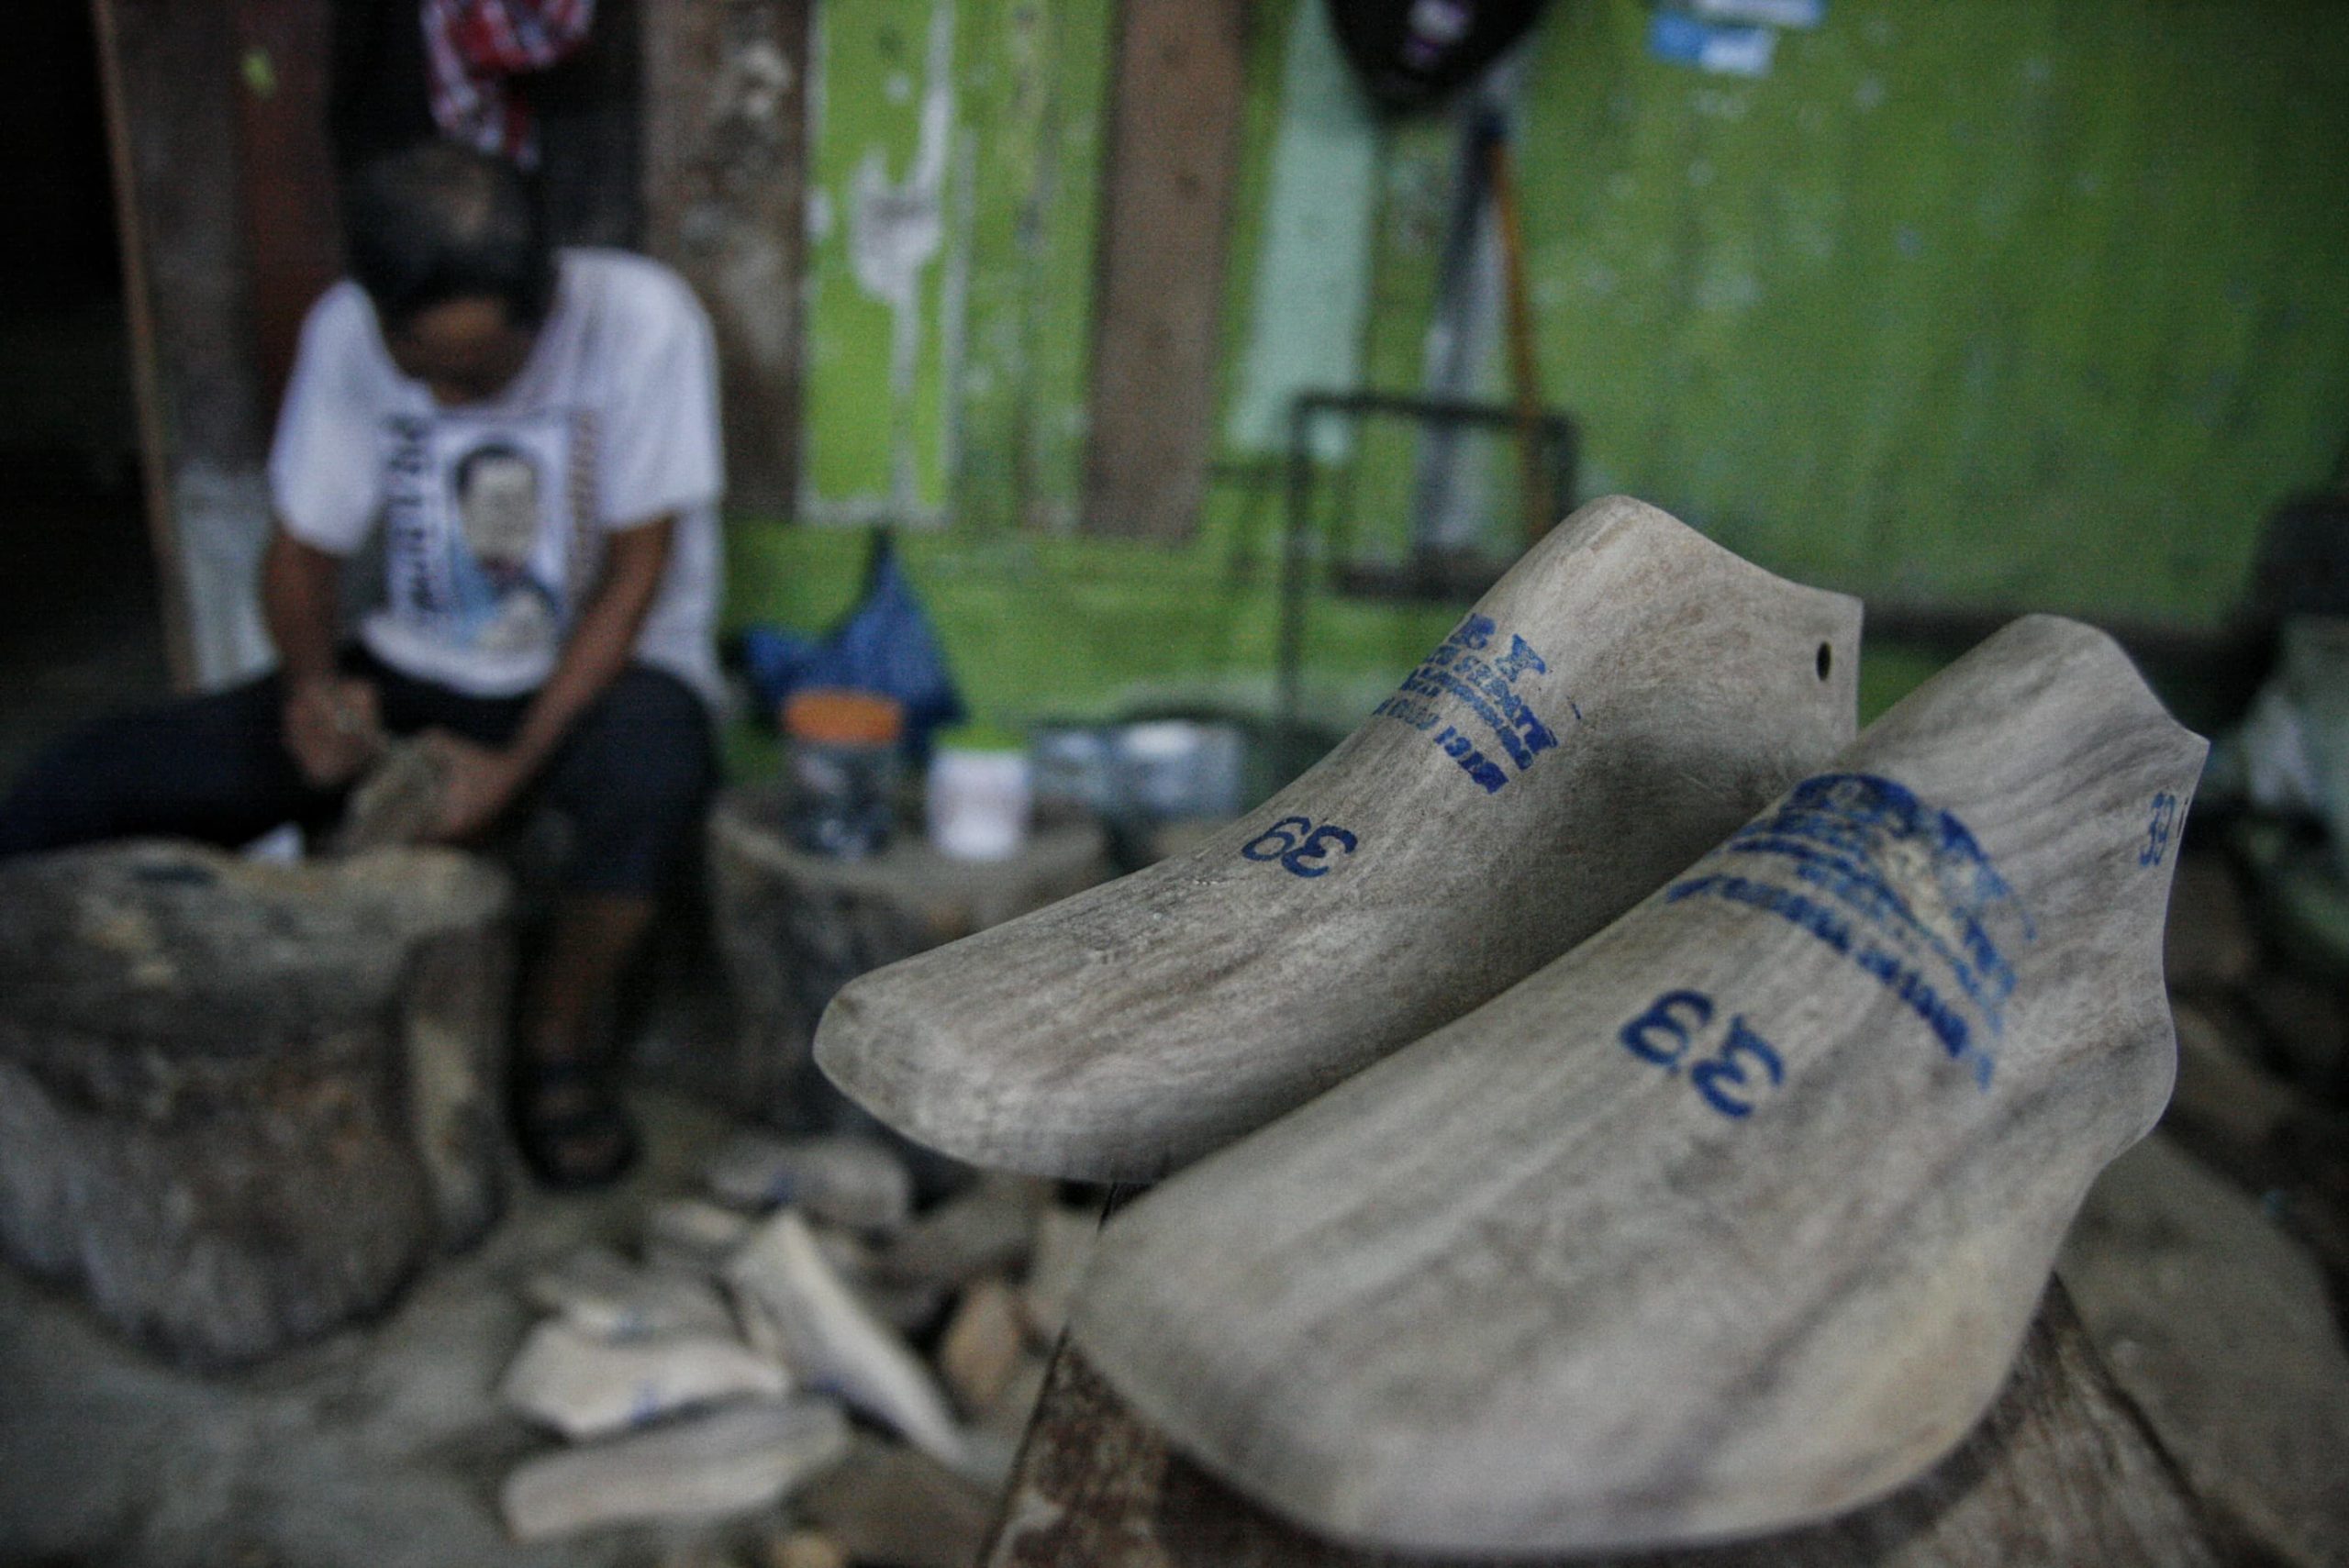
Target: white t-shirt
{"type": "Point", "coordinates": [494, 513]}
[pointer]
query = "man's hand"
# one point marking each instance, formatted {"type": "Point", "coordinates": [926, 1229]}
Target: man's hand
{"type": "Point", "coordinates": [333, 729]}
{"type": "Point", "coordinates": [479, 783]}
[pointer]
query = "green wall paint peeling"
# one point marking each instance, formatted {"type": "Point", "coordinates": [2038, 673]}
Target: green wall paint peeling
{"type": "Point", "coordinates": [2012, 303]}
{"type": "Point", "coordinates": [1034, 80]}
{"type": "Point", "coordinates": [879, 281]}
{"type": "Point", "coordinates": [955, 173]}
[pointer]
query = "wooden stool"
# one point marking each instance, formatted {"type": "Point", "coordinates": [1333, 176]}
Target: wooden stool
{"type": "Point", "coordinates": [243, 1102]}
{"type": "Point", "coordinates": [794, 928]}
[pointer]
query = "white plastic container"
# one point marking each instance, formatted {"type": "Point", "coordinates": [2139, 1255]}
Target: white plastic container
{"type": "Point", "coordinates": [978, 804]}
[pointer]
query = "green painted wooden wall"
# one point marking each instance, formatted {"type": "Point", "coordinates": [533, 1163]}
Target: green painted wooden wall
{"type": "Point", "coordinates": [2033, 302]}
{"type": "Point", "coordinates": [2000, 302]}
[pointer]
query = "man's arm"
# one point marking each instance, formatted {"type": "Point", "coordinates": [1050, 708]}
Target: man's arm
{"type": "Point", "coordinates": [300, 584]}
{"type": "Point", "coordinates": [330, 724]}
{"type": "Point", "coordinates": [483, 781]}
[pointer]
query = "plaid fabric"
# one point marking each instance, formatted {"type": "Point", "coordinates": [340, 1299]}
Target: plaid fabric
{"type": "Point", "coordinates": [471, 47]}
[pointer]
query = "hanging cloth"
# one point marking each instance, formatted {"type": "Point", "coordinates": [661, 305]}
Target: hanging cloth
{"type": "Point", "coordinates": [886, 645]}
{"type": "Point", "coordinates": [471, 47]}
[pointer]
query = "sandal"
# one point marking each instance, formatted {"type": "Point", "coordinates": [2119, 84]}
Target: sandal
{"type": "Point", "coordinates": [572, 1128]}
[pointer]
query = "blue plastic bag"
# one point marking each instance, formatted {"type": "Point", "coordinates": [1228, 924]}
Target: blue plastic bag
{"type": "Point", "coordinates": [885, 645]}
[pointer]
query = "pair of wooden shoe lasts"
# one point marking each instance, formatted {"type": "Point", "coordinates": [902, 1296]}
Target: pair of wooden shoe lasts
{"type": "Point", "coordinates": [1594, 1170]}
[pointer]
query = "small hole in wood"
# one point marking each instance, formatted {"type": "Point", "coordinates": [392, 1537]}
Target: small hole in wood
{"type": "Point", "coordinates": [1826, 660]}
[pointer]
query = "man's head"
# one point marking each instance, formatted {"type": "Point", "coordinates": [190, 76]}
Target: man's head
{"type": "Point", "coordinates": [451, 246]}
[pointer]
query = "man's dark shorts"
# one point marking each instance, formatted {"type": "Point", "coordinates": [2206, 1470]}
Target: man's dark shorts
{"type": "Point", "coordinates": [633, 775]}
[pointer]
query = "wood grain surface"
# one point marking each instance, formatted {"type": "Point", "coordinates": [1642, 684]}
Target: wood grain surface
{"type": "Point", "coordinates": [1625, 695]}
{"type": "Point", "coordinates": [1732, 1219]}
{"type": "Point", "coordinates": [725, 191]}
{"type": "Point", "coordinates": [2061, 1471]}
{"type": "Point", "coordinates": [1176, 118]}
{"type": "Point", "coordinates": [240, 1103]}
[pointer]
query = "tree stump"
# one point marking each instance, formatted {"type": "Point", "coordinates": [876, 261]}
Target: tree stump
{"type": "Point", "coordinates": [240, 1102]}
{"type": "Point", "coordinates": [2063, 1470]}
{"type": "Point", "coordinates": [794, 928]}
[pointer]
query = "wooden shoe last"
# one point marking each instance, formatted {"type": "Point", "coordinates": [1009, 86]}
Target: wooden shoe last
{"type": "Point", "coordinates": [1625, 695]}
{"type": "Point", "coordinates": [1734, 1217]}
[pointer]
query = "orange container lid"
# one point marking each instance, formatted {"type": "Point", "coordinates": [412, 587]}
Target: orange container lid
{"type": "Point", "coordinates": [834, 716]}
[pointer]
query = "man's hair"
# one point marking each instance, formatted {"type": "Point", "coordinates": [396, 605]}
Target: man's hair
{"type": "Point", "coordinates": [439, 222]}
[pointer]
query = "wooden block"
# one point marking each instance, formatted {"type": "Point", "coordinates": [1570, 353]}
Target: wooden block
{"type": "Point", "coordinates": [241, 1103]}
{"type": "Point", "coordinates": [842, 1179]}
{"type": "Point", "coordinates": [982, 1347]}
{"type": "Point", "coordinates": [585, 1386]}
{"type": "Point", "coordinates": [396, 803]}
{"type": "Point", "coordinates": [453, 1013]}
{"type": "Point", "coordinates": [722, 1461]}
{"type": "Point", "coordinates": [794, 928]}
{"type": "Point", "coordinates": [1626, 694]}
{"type": "Point", "coordinates": [2062, 1470]}
{"type": "Point", "coordinates": [1731, 1219]}
{"type": "Point", "coordinates": [835, 1343]}
{"type": "Point", "coordinates": [692, 1235]}
{"type": "Point", "coordinates": [599, 1293]}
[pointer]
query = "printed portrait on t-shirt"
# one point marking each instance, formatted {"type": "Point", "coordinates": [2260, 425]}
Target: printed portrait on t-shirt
{"type": "Point", "coordinates": [495, 488]}
{"type": "Point", "coordinates": [480, 532]}
{"type": "Point", "coordinates": [497, 505]}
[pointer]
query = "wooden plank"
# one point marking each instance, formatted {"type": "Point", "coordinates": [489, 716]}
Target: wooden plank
{"type": "Point", "coordinates": [172, 66]}
{"type": "Point", "coordinates": [288, 185]}
{"type": "Point", "coordinates": [1173, 146]}
{"type": "Point", "coordinates": [725, 172]}
{"type": "Point", "coordinates": [145, 374]}
{"type": "Point", "coordinates": [2062, 1470]}
{"type": "Point", "coordinates": [169, 73]}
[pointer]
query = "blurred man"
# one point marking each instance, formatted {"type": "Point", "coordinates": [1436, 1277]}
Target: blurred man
{"type": "Point", "coordinates": [535, 436]}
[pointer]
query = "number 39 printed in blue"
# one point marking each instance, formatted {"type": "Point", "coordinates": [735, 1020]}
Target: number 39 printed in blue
{"type": "Point", "coordinates": [1301, 849]}
{"type": "Point", "coordinates": [2159, 830]}
{"type": "Point", "coordinates": [1665, 1032]}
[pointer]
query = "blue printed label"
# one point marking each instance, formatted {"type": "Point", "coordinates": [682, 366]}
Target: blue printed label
{"type": "Point", "coordinates": [1900, 887]}
{"type": "Point", "coordinates": [1725, 50]}
{"type": "Point", "coordinates": [2159, 830]}
{"type": "Point", "coordinates": [1464, 697]}
{"type": "Point", "coordinates": [1744, 1065]}
{"type": "Point", "coordinates": [1299, 847]}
